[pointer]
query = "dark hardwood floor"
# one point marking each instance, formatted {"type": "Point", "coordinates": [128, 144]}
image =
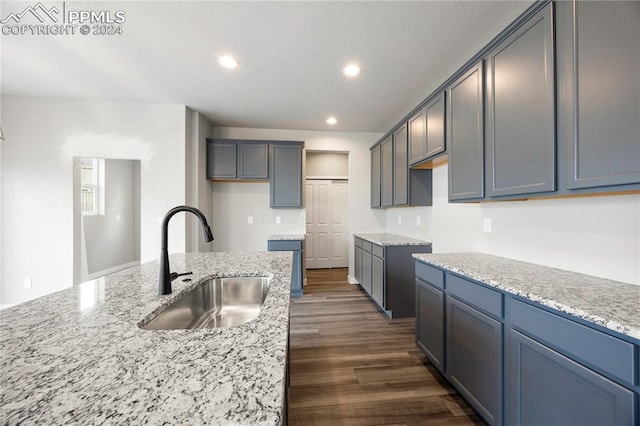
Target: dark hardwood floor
{"type": "Point", "coordinates": [350, 365]}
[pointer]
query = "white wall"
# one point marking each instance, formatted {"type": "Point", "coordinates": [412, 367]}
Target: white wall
{"type": "Point", "coordinates": [198, 188]}
{"type": "Point", "coordinates": [233, 202]}
{"type": "Point", "coordinates": [592, 235]}
{"type": "Point", "coordinates": [111, 237]}
{"type": "Point", "coordinates": [328, 165]}
{"type": "Point", "coordinates": [37, 180]}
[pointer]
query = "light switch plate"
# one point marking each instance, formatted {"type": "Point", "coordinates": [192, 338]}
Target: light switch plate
{"type": "Point", "coordinates": [250, 220]}
{"type": "Point", "coordinates": [486, 226]}
{"type": "Point", "coordinates": [27, 283]}
{"type": "Point", "coordinates": [418, 220]}
{"type": "Point", "coordinates": [278, 219]}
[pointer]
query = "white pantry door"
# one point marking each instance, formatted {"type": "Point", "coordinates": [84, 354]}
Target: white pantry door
{"type": "Point", "coordinates": [326, 238]}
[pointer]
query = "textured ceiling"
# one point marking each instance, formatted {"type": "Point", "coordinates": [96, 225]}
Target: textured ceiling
{"type": "Point", "coordinates": [290, 53]}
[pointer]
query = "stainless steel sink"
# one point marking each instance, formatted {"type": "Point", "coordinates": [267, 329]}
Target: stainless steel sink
{"type": "Point", "coordinates": [218, 302]}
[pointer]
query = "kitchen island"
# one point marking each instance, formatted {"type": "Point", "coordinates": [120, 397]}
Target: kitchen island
{"type": "Point", "coordinates": [78, 356]}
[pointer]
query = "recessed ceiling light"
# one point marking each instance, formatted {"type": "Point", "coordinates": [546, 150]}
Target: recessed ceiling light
{"type": "Point", "coordinates": [227, 61]}
{"type": "Point", "coordinates": [331, 121]}
{"type": "Point", "coordinates": [351, 70]}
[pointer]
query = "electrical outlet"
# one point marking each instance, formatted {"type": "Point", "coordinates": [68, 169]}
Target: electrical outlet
{"type": "Point", "coordinates": [27, 283]}
{"type": "Point", "coordinates": [278, 219]}
{"type": "Point", "coordinates": [418, 220]}
{"type": "Point", "coordinates": [399, 220]}
{"type": "Point", "coordinates": [118, 217]}
{"type": "Point", "coordinates": [250, 220]}
{"type": "Point", "coordinates": [486, 226]}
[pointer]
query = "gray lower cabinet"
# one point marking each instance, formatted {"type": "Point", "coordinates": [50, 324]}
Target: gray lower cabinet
{"type": "Point", "coordinates": [465, 135]}
{"type": "Point", "coordinates": [357, 259]}
{"type": "Point", "coordinates": [474, 358]}
{"type": "Point", "coordinates": [547, 388]}
{"type": "Point", "coordinates": [386, 172]}
{"type": "Point", "coordinates": [298, 269]}
{"type": "Point", "coordinates": [375, 177]}
{"type": "Point", "coordinates": [400, 167]}
{"type": "Point", "coordinates": [430, 322]}
{"type": "Point", "coordinates": [286, 174]}
{"type": "Point", "coordinates": [520, 119]}
{"type": "Point", "coordinates": [387, 275]}
{"type": "Point", "coordinates": [599, 92]}
{"type": "Point", "coordinates": [377, 280]}
{"type": "Point", "coordinates": [555, 370]}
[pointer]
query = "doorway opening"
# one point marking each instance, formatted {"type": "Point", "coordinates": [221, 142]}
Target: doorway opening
{"type": "Point", "coordinates": [106, 216]}
{"type": "Point", "coordinates": [326, 203]}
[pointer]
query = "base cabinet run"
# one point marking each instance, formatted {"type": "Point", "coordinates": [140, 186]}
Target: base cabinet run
{"type": "Point", "coordinates": [555, 370]}
{"type": "Point", "coordinates": [386, 274]}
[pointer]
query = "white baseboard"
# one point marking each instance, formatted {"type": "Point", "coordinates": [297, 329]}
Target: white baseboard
{"type": "Point", "coordinates": [352, 280]}
{"type": "Point", "coordinates": [104, 272]}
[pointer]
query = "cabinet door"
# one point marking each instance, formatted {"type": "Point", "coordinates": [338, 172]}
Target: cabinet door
{"type": "Point", "coordinates": [465, 132]}
{"type": "Point", "coordinates": [386, 172]}
{"type": "Point", "coordinates": [377, 280]}
{"type": "Point", "coordinates": [430, 322]}
{"type": "Point", "coordinates": [221, 160]}
{"type": "Point", "coordinates": [599, 91]}
{"type": "Point", "coordinates": [375, 177]}
{"type": "Point", "coordinates": [546, 388]}
{"type": "Point", "coordinates": [357, 260]}
{"type": "Point", "coordinates": [253, 161]}
{"type": "Point", "coordinates": [435, 126]}
{"type": "Point", "coordinates": [296, 278]}
{"type": "Point", "coordinates": [474, 358]}
{"type": "Point", "coordinates": [366, 271]}
{"type": "Point", "coordinates": [400, 167]}
{"type": "Point", "coordinates": [417, 137]}
{"type": "Point", "coordinates": [286, 175]}
{"type": "Point", "coordinates": [520, 146]}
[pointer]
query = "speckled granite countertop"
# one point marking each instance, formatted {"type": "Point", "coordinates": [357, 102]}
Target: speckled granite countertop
{"type": "Point", "coordinates": [391, 240]}
{"type": "Point", "coordinates": [286, 237]}
{"type": "Point", "coordinates": [77, 357]}
{"type": "Point", "coordinates": [610, 304]}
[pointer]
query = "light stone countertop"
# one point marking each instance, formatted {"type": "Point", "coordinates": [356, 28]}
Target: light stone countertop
{"type": "Point", "coordinates": [391, 240]}
{"type": "Point", "coordinates": [77, 356]}
{"type": "Point", "coordinates": [607, 303]}
{"type": "Point", "coordinates": [286, 237]}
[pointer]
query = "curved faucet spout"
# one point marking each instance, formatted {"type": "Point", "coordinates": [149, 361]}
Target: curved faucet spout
{"type": "Point", "coordinates": [164, 282]}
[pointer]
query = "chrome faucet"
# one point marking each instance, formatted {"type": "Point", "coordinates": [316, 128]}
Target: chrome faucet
{"type": "Point", "coordinates": [164, 283]}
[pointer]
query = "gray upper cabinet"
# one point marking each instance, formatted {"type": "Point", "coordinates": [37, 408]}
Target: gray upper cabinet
{"type": "Point", "coordinates": [375, 176]}
{"type": "Point", "coordinates": [520, 119]}
{"type": "Point", "coordinates": [465, 133]}
{"type": "Point", "coordinates": [253, 161]}
{"type": "Point", "coordinates": [221, 160]}
{"type": "Point", "coordinates": [286, 174]}
{"type": "Point", "coordinates": [599, 92]}
{"type": "Point", "coordinates": [386, 172]}
{"type": "Point", "coordinates": [236, 159]}
{"type": "Point", "coordinates": [400, 167]}
{"type": "Point", "coordinates": [426, 131]}
{"type": "Point", "coordinates": [417, 137]}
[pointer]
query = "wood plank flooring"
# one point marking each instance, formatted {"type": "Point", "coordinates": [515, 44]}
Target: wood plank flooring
{"type": "Point", "coordinates": [350, 365]}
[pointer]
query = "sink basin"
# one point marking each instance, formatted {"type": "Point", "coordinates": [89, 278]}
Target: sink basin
{"type": "Point", "coordinates": [217, 302]}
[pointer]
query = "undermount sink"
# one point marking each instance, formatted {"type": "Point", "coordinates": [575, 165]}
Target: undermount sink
{"type": "Point", "coordinates": [217, 302]}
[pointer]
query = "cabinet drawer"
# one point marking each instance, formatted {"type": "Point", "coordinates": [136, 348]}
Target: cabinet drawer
{"type": "Point", "coordinates": [377, 251]}
{"type": "Point", "coordinates": [430, 275]}
{"type": "Point", "coordinates": [485, 299]}
{"type": "Point", "coordinates": [366, 246]}
{"type": "Point", "coordinates": [284, 245]}
{"type": "Point", "coordinates": [358, 242]}
{"type": "Point", "coordinates": [605, 352]}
